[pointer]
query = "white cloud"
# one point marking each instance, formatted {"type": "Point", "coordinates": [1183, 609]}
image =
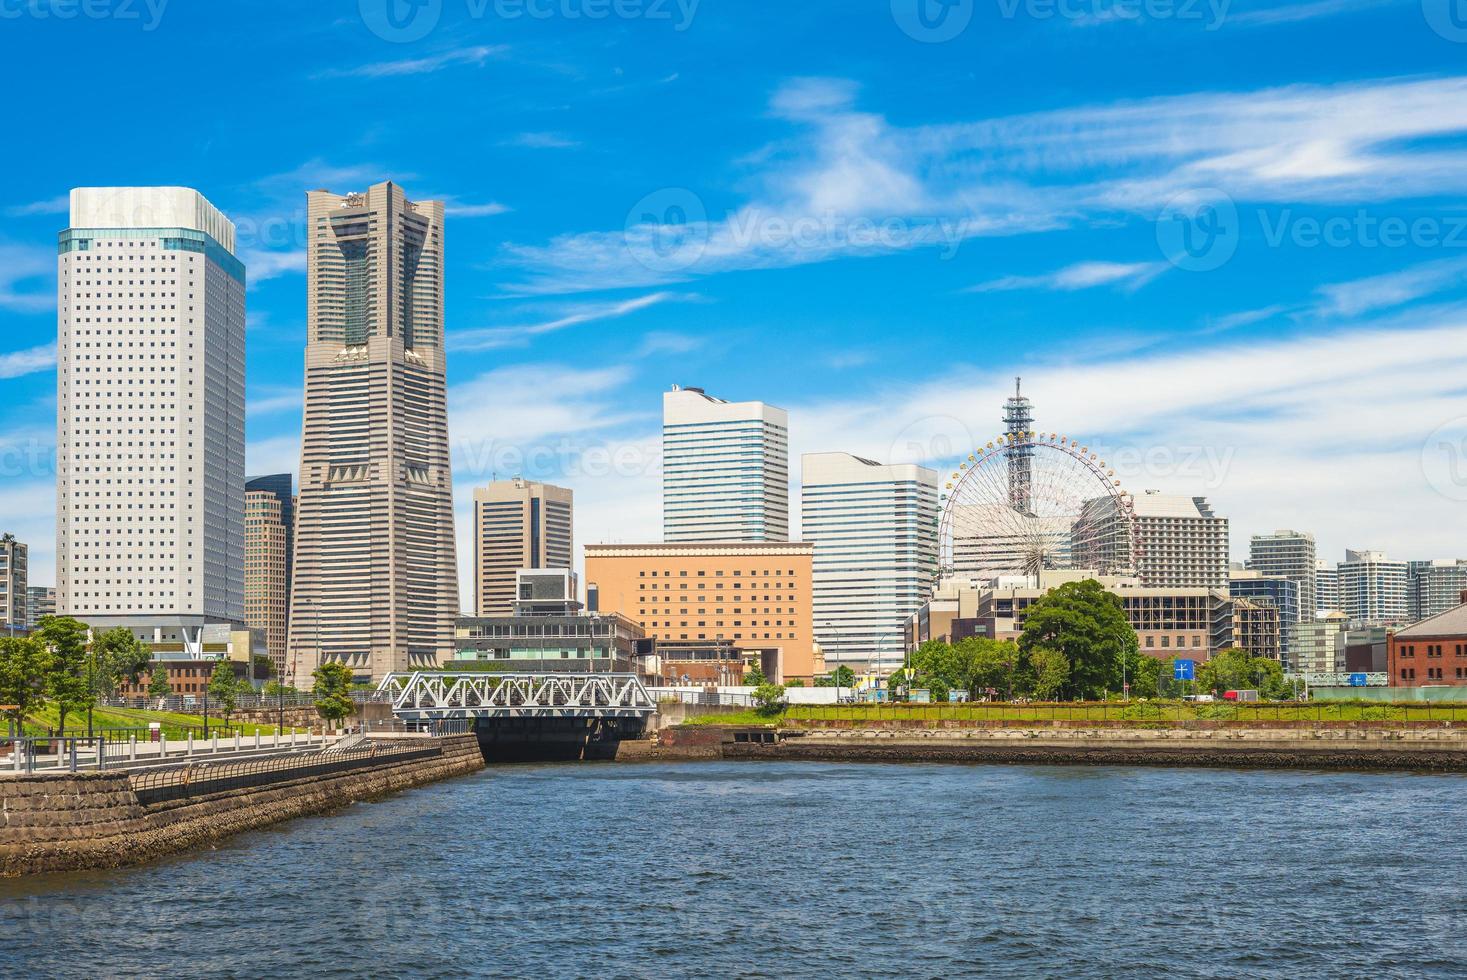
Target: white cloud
{"type": "Point", "coordinates": [61, 204]}
{"type": "Point", "coordinates": [1294, 13]}
{"type": "Point", "coordinates": [269, 400]}
{"type": "Point", "coordinates": [541, 141]}
{"type": "Point", "coordinates": [276, 454]}
{"type": "Point", "coordinates": [488, 209]}
{"type": "Point", "coordinates": [19, 363]}
{"type": "Point", "coordinates": [477, 56]}
{"type": "Point", "coordinates": [27, 276]}
{"type": "Point", "coordinates": [667, 342]}
{"type": "Point", "coordinates": [1348, 299]}
{"type": "Point", "coordinates": [851, 183]}
{"type": "Point", "coordinates": [490, 338]}
{"type": "Point", "coordinates": [1129, 276]}
{"type": "Point", "coordinates": [265, 264]}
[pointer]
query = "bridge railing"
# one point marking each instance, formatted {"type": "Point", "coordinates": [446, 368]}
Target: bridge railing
{"type": "Point", "coordinates": [168, 785]}
{"type": "Point", "coordinates": [475, 693]}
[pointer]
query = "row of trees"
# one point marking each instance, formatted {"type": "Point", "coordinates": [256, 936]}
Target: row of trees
{"type": "Point", "coordinates": [1077, 644]}
{"type": "Point", "coordinates": [57, 664]}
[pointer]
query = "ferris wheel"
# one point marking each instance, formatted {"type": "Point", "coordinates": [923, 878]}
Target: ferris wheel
{"type": "Point", "coordinates": [1031, 501]}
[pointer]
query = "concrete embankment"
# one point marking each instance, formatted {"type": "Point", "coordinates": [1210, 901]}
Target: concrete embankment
{"type": "Point", "coordinates": [1419, 750]}
{"type": "Point", "coordinates": [81, 821]}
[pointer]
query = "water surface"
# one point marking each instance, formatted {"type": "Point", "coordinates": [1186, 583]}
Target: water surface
{"type": "Point", "coordinates": [798, 869]}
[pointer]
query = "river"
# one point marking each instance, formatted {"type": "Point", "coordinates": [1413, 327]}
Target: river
{"type": "Point", "coordinates": [796, 869]}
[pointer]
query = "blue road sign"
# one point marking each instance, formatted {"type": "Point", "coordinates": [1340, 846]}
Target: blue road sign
{"type": "Point", "coordinates": [1358, 680]}
{"type": "Point", "coordinates": [1184, 670]}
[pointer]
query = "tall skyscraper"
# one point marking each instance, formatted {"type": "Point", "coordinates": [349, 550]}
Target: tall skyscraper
{"type": "Point", "coordinates": [1373, 589]}
{"type": "Point", "coordinates": [874, 528]}
{"type": "Point", "coordinates": [14, 584]}
{"type": "Point", "coordinates": [375, 583]}
{"type": "Point", "coordinates": [1183, 542]}
{"type": "Point", "coordinates": [1435, 586]}
{"type": "Point", "coordinates": [150, 361]}
{"type": "Point", "coordinates": [725, 469]}
{"type": "Point", "coordinates": [281, 486]}
{"type": "Point", "coordinates": [518, 524]}
{"type": "Point", "coordinates": [1326, 588]}
{"type": "Point", "coordinates": [1291, 555]}
{"type": "Point", "coordinates": [267, 590]}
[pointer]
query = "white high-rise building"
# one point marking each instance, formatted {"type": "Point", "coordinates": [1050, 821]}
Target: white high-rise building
{"type": "Point", "coordinates": [1373, 589]}
{"type": "Point", "coordinates": [874, 528]}
{"type": "Point", "coordinates": [1183, 543]}
{"type": "Point", "coordinates": [150, 359]}
{"type": "Point", "coordinates": [1436, 586]}
{"type": "Point", "coordinates": [1327, 588]}
{"type": "Point", "coordinates": [1290, 555]}
{"type": "Point", "coordinates": [725, 469]}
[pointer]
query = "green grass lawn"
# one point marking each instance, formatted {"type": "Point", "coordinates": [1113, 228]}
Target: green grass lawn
{"type": "Point", "coordinates": [174, 723]}
{"type": "Point", "coordinates": [1152, 713]}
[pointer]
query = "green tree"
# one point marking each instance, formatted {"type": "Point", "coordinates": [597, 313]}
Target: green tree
{"type": "Point", "coordinates": [1088, 626]}
{"type": "Point", "coordinates": [1239, 670]}
{"type": "Point", "coordinates": [274, 689]}
{"type": "Point", "coordinates": [158, 686]}
{"type": "Point", "coordinates": [65, 639]}
{"type": "Point", "coordinates": [24, 665]}
{"type": "Point", "coordinates": [1144, 674]}
{"type": "Point", "coordinates": [769, 698]}
{"type": "Point", "coordinates": [1051, 673]}
{"type": "Point", "coordinates": [991, 665]}
{"type": "Point", "coordinates": [754, 676]}
{"type": "Point", "coordinates": [842, 676]}
{"type": "Point", "coordinates": [224, 687]}
{"type": "Point", "coordinates": [332, 691]}
{"type": "Point", "coordinates": [118, 657]}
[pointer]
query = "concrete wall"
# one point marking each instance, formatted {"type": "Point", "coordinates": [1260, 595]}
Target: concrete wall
{"type": "Point", "coordinates": [72, 822]}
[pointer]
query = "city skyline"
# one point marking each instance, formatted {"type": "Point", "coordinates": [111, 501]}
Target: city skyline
{"type": "Point", "coordinates": [1297, 384]}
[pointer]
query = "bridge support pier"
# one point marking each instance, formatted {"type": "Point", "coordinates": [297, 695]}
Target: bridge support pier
{"type": "Point", "coordinates": [553, 739]}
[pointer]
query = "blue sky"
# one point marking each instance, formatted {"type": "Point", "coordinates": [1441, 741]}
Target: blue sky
{"type": "Point", "coordinates": [1225, 242]}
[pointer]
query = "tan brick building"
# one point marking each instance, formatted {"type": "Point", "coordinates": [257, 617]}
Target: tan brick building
{"type": "Point", "coordinates": [756, 595]}
{"type": "Point", "coordinates": [267, 592]}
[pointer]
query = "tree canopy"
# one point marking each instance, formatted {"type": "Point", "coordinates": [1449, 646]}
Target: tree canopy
{"type": "Point", "coordinates": [24, 665]}
{"type": "Point", "coordinates": [1088, 627]}
{"type": "Point", "coordinates": [65, 639]}
{"type": "Point", "coordinates": [332, 691]}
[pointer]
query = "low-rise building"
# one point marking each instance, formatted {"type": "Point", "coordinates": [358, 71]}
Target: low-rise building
{"type": "Point", "coordinates": [756, 595]}
{"type": "Point", "coordinates": [41, 602]}
{"type": "Point", "coordinates": [1431, 653]}
{"type": "Point", "coordinates": [1316, 645]}
{"type": "Point", "coordinates": [548, 630]}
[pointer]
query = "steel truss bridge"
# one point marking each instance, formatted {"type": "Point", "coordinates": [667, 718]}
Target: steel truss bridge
{"type": "Point", "coordinates": [477, 694]}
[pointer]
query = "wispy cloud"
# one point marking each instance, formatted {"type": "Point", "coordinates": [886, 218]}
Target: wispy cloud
{"type": "Point", "coordinates": [61, 204]}
{"type": "Point", "coordinates": [1294, 13]}
{"type": "Point", "coordinates": [26, 275]}
{"type": "Point", "coordinates": [489, 338]}
{"type": "Point", "coordinates": [1129, 276]}
{"type": "Point", "coordinates": [665, 342]}
{"type": "Point", "coordinates": [263, 264]}
{"type": "Point", "coordinates": [477, 56]}
{"type": "Point", "coordinates": [271, 400]}
{"type": "Point", "coordinates": [849, 182]}
{"type": "Point", "coordinates": [1348, 299]}
{"type": "Point", "coordinates": [541, 141]}
{"type": "Point", "coordinates": [32, 361]}
{"type": "Point", "coordinates": [458, 209]}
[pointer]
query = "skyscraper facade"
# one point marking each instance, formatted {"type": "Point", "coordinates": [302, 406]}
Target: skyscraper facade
{"type": "Point", "coordinates": [14, 584]}
{"type": "Point", "coordinates": [1435, 586]}
{"type": "Point", "coordinates": [518, 524]}
{"type": "Point", "coordinates": [1373, 589]}
{"type": "Point", "coordinates": [375, 583]}
{"type": "Point", "coordinates": [1326, 588]}
{"type": "Point", "coordinates": [150, 414]}
{"type": "Point", "coordinates": [874, 528]}
{"type": "Point", "coordinates": [267, 592]}
{"type": "Point", "coordinates": [1183, 542]}
{"type": "Point", "coordinates": [725, 469]}
{"type": "Point", "coordinates": [1277, 592]}
{"type": "Point", "coordinates": [1291, 555]}
{"type": "Point", "coordinates": [40, 603]}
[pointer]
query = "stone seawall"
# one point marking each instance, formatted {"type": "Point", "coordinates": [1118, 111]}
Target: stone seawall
{"type": "Point", "coordinates": [83, 821]}
{"type": "Point", "coordinates": [1415, 750]}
